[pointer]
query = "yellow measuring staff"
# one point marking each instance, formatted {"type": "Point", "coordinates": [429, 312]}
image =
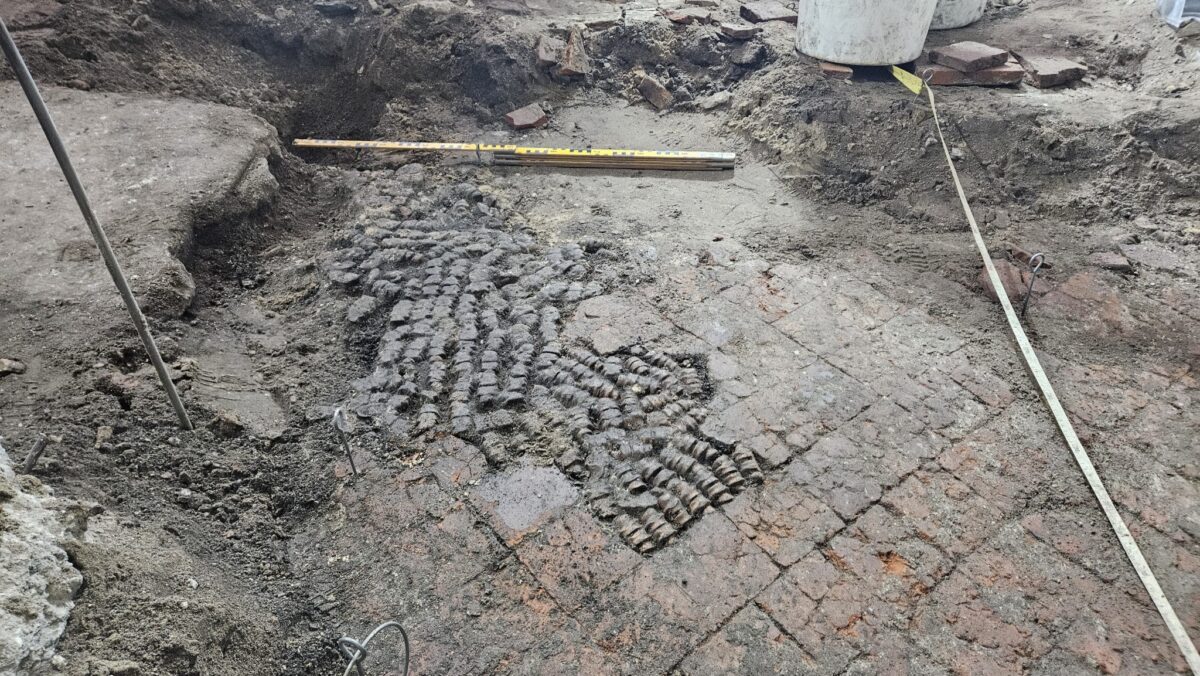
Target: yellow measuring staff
{"type": "Point", "coordinates": [575, 157]}
{"type": "Point", "coordinates": [403, 145]}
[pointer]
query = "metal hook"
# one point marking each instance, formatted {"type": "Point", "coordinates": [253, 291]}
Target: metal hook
{"type": "Point", "coordinates": [356, 652]}
{"type": "Point", "coordinates": [1035, 264]}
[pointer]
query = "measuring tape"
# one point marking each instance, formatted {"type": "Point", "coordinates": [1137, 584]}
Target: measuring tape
{"type": "Point", "coordinates": [613, 158]}
{"type": "Point", "coordinates": [1132, 551]}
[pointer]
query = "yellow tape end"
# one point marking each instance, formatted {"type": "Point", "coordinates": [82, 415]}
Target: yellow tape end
{"type": "Point", "coordinates": [914, 83]}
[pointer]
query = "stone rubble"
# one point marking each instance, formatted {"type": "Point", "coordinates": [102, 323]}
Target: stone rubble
{"type": "Point", "coordinates": [37, 581]}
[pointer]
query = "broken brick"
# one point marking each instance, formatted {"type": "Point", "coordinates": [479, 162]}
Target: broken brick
{"type": "Point", "coordinates": [655, 93]}
{"type": "Point", "coordinates": [603, 23]}
{"type": "Point", "coordinates": [969, 57]}
{"type": "Point", "coordinates": [688, 15]}
{"type": "Point", "coordinates": [549, 51]}
{"type": "Point", "coordinates": [739, 31]}
{"type": "Point", "coordinates": [836, 70]}
{"type": "Point", "coordinates": [1111, 261]}
{"type": "Point", "coordinates": [575, 61]}
{"type": "Point", "coordinates": [767, 10]}
{"type": "Point", "coordinates": [530, 117]}
{"type": "Point", "coordinates": [940, 76]}
{"type": "Point", "coordinates": [943, 76]}
{"type": "Point", "coordinates": [1010, 73]}
{"type": "Point", "coordinates": [1050, 71]}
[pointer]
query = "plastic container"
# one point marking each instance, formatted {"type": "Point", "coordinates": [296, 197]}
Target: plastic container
{"type": "Point", "coordinates": [957, 13]}
{"type": "Point", "coordinates": [863, 32]}
{"type": "Point", "coordinates": [1176, 12]}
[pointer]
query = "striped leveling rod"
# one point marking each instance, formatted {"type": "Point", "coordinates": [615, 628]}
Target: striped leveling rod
{"type": "Point", "coordinates": [589, 158]}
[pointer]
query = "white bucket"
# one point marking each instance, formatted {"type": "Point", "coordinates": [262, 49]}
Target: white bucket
{"type": "Point", "coordinates": [863, 32]}
{"type": "Point", "coordinates": [957, 13]}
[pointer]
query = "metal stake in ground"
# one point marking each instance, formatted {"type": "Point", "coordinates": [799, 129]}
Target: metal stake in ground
{"type": "Point", "coordinates": [110, 260]}
{"type": "Point", "coordinates": [1035, 264]}
{"type": "Point", "coordinates": [343, 426]}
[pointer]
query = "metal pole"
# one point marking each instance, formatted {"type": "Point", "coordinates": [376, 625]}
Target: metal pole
{"type": "Point", "coordinates": [110, 259]}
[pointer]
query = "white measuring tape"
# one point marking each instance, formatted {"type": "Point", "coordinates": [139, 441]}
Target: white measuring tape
{"type": "Point", "coordinates": [1144, 573]}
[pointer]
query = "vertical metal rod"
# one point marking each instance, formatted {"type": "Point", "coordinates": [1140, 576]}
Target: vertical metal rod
{"type": "Point", "coordinates": [110, 259]}
{"type": "Point", "coordinates": [340, 424]}
{"type": "Point", "coordinates": [34, 454]}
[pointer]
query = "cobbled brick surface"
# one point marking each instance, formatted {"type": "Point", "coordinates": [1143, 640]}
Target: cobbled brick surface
{"type": "Point", "coordinates": [740, 467]}
{"type": "Point", "coordinates": [472, 346]}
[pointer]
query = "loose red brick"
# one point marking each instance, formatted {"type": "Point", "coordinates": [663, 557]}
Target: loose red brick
{"type": "Point", "coordinates": [688, 15]}
{"type": "Point", "coordinates": [739, 31]}
{"type": "Point", "coordinates": [767, 10]}
{"type": "Point", "coordinates": [943, 76]}
{"type": "Point", "coordinates": [1013, 278]}
{"type": "Point", "coordinates": [575, 61]}
{"type": "Point", "coordinates": [938, 75]}
{"type": "Point", "coordinates": [655, 93]}
{"type": "Point", "coordinates": [603, 23]}
{"type": "Point", "coordinates": [1010, 73]}
{"type": "Point", "coordinates": [1111, 261]}
{"type": "Point", "coordinates": [1050, 71]}
{"type": "Point", "coordinates": [969, 56]}
{"type": "Point", "coordinates": [529, 117]}
{"type": "Point", "coordinates": [836, 71]}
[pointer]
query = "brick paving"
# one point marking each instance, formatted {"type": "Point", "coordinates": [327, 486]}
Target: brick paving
{"type": "Point", "coordinates": [917, 515]}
